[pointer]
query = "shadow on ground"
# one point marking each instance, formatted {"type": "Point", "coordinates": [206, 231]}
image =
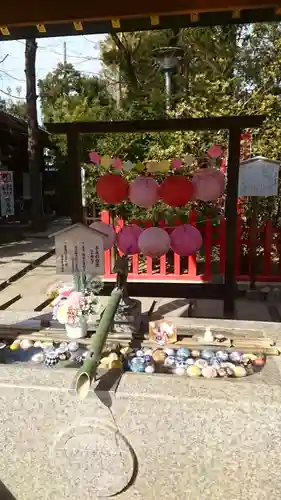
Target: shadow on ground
{"type": "Point", "coordinates": [5, 494]}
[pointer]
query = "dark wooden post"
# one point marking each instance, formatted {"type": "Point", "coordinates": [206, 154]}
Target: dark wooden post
{"type": "Point", "coordinates": [231, 216]}
{"type": "Point", "coordinates": [74, 175]}
{"type": "Point", "coordinates": [34, 148]}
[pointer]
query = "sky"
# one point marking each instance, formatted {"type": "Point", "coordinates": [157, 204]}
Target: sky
{"type": "Point", "coordinates": [81, 51]}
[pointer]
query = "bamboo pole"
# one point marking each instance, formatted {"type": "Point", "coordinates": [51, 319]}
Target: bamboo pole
{"type": "Point", "coordinates": [87, 372]}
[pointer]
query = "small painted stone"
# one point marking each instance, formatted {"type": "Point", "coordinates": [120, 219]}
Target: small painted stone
{"type": "Point", "coordinates": [209, 372]}
{"type": "Point", "coordinates": [222, 355]}
{"type": "Point", "coordinates": [201, 363]}
{"type": "Point", "coordinates": [73, 346]}
{"type": "Point", "coordinates": [249, 369]}
{"type": "Point", "coordinates": [63, 346]}
{"type": "Point", "coordinates": [140, 353]}
{"type": "Point", "coordinates": [47, 344]}
{"type": "Point", "coordinates": [222, 372]}
{"type": "Point", "coordinates": [158, 356]}
{"type": "Point", "coordinates": [170, 361]}
{"type": "Point", "coordinates": [38, 343]}
{"type": "Point", "coordinates": [193, 371]}
{"type": "Point", "coordinates": [181, 362]}
{"type": "Point", "coordinates": [235, 356]}
{"type": "Point", "coordinates": [50, 350]}
{"type": "Point", "coordinates": [125, 351]}
{"type": "Point", "coordinates": [229, 371]}
{"type": "Point", "coordinates": [113, 356]}
{"type": "Point", "coordinates": [245, 359]}
{"type": "Point", "coordinates": [38, 357]}
{"type": "Point", "coordinates": [26, 344]}
{"type": "Point", "coordinates": [206, 354]}
{"type": "Point", "coordinates": [105, 362]}
{"type": "Point", "coordinates": [17, 341]}
{"type": "Point", "coordinates": [183, 352]}
{"type": "Point", "coordinates": [115, 363]}
{"type": "Point", "coordinates": [149, 369]}
{"type": "Point", "coordinates": [14, 347]}
{"type": "Point", "coordinates": [61, 349]}
{"type": "Point", "coordinates": [260, 355]}
{"type": "Point", "coordinates": [250, 356]}
{"type": "Point", "coordinates": [137, 365]}
{"type": "Point", "coordinates": [148, 358]}
{"type": "Point", "coordinates": [195, 353]}
{"type": "Point", "coordinates": [214, 362]}
{"type": "Point", "coordinates": [179, 370]}
{"type": "Point", "coordinates": [239, 371]}
{"type": "Point", "coordinates": [190, 361]}
{"type": "Point", "coordinates": [169, 351]}
{"type": "Point", "coordinates": [227, 364]}
{"type": "Point", "coordinates": [258, 362]}
{"type": "Point", "coordinates": [64, 356]}
{"type": "Point", "coordinates": [148, 351]}
{"type": "Point", "coordinates": [51, 359]}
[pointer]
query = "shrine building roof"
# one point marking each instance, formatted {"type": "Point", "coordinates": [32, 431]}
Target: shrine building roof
{"type": "Point", "coordinates": [61, 17]}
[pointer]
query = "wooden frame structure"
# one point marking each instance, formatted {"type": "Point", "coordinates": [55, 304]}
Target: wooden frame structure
{"type": "Point", "coordinates": [234, 124]}
{"type": "Point", "coordinates": [50, 19]}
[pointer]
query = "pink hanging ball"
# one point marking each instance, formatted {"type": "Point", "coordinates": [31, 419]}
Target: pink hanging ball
{"type": "Point", "coordinates": [108, 231]}
{"type": "Point", "coordinates": [208, 184]}
{"type": "Point", "coordinates": [143, 191]}
{"type": "Point", "coordinates": [94, 157]}
{"type": "Point", "coordinates": [127, 239]}
{"type": "Point", "coordinates": [186, 240]}
{"type": "Point", "coordinates": [154, 242]}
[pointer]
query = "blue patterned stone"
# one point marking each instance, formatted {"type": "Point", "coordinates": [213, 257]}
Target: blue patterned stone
{"type": "Point", "coordinates": [207, 354]}
{"type": "Point", "coordinates": [183, 352]}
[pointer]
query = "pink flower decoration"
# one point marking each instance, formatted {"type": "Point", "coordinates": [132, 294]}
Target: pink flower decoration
{"type": "Point", "coordinates": [215, 151]}
{"type": "Point", "coordinates": [176, 163]}
{"type": "Point", "coordinates": [66, 293]}
{"type": "Point", "coordinates": [117, 164]}
{"type": "Point", "coordinates": [74, 299]}
{"type": "Point", "coordinates": [94, 157]}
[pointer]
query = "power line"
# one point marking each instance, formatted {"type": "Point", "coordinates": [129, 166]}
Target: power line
{"type": "Point", "coordinates": [11, 76]}
{"type": "Point", "coordinates": [72, 56]}
{"type": "Point", "coordinates": [11, 95]}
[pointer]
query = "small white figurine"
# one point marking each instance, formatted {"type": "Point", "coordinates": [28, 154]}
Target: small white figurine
{"type": "Point", "coordinates": [208, 337]}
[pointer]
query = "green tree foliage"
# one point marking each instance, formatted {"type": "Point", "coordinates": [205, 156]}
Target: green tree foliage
{"type": "Point", "coordinates": [66, 95]}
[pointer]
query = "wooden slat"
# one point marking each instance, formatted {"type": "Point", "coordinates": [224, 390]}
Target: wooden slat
{"type": "Point", "coordinates": [159, 125]}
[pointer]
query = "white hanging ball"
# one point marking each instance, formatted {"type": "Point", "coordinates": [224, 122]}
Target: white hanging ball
{"type": "Point", "coordinates": [128, 166]}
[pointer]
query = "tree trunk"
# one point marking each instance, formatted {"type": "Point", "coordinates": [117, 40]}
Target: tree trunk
{"type": "Point", "coordinates": [34, 148]}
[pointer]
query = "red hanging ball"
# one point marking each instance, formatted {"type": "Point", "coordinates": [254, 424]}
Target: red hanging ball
{"type": "Point", "coordinates": [176, 190]}
{"type": "Point", "coordinates": [112, 188]}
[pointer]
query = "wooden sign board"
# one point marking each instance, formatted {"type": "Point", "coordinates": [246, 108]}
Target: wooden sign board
{"type": "Point", "coordinates": [162, 332]}
{"type": "Point", "coordinates": [79, 249]}
{"type": "Point", "coordinates": [7, 193]}
{"type": "Point", "coordinates": [258, 177]}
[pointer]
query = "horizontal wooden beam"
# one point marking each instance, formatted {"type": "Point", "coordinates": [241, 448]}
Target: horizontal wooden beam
{"type": "Point", "coordinates": [41, 13]}
{"type": "Point", "coordinates": [162, 125]}
{"type": "Point", "coordinates": [127, 25]}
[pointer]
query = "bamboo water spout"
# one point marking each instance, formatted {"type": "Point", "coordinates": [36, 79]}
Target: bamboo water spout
{"type": "Point", "coordinates": [87, 372]}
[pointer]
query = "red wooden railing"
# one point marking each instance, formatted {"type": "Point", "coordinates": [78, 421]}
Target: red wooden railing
{"type": "Point", "coordinates": [208, 265]}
